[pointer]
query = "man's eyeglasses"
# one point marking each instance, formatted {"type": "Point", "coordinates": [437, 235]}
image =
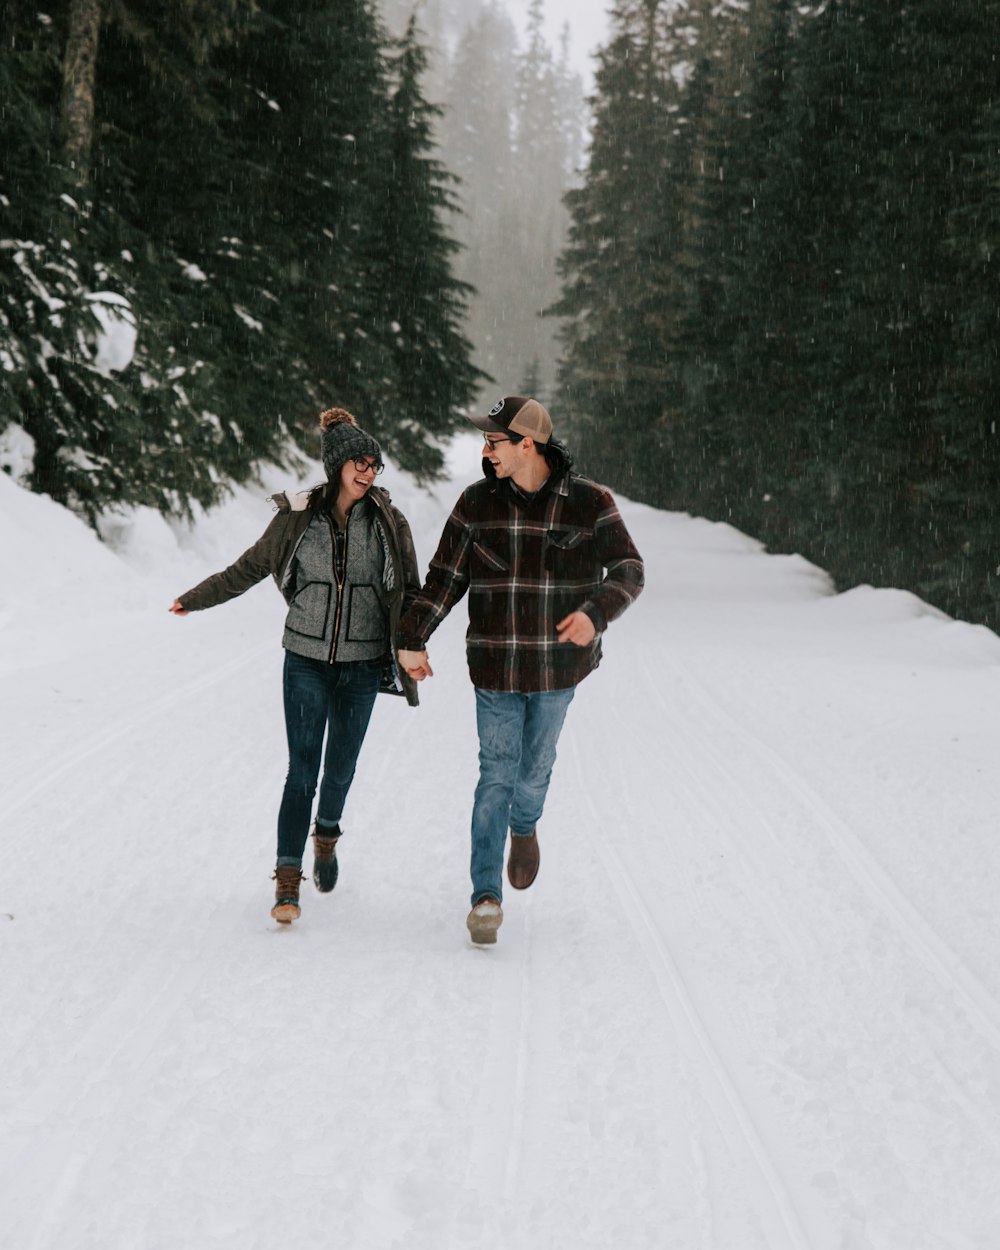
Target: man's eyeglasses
{"type": "Point", "coordinates": [491, 443]}
{"type": "Point", "coordinates": [363, 466]}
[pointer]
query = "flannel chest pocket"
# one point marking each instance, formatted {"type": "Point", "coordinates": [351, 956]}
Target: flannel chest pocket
{"type": "Point", "coordinates": [569, 551]}
{"type": "Point", "coordinates": [487, 560]}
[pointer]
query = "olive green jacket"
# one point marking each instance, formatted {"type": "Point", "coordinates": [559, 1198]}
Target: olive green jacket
{"type": "Point", "coordinates": [272, 554]}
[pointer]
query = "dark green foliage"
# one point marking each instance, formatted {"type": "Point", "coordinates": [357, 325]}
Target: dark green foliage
{"type": "Point", "coordinates": [822, 306]}
{"type": "Point", "coordinates": [241, 204]}
{"type": "Point", "coordinates": [620, 267]}
{"type": "Point", "coordinates": [99, 439]}
{"type": "Point", "coordinates": [478, 134]}
{"type": "Point", "coordinates": [415, 305]}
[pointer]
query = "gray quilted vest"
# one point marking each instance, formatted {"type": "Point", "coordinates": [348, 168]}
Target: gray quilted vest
{"type": "Point", "coordinates": [338, 623]}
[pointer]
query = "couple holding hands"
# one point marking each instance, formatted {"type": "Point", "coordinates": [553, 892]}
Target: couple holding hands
{"type": "Point", "coordinates": [547, 564]}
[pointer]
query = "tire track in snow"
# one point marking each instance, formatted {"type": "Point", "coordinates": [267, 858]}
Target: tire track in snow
{"type": "Point", "coordinates": [876, 1008]}
{"type": "Point", "coordinates": [494, 1161]}
{"type": "Point", "coordinates": [64, 1126]}
{"type": "Point", "coordinates": [97, 1078]}
{"type": "Point", "coordinates": [782, 1224]}
{"type": "Point", "coordinates": [874, 882]}
{"type": "Point", "coordinates": [42, 779]}
{"type": "Point", "coordinates": [512, 1161]}
{"type": "Point", "coordinates": [707, 804]}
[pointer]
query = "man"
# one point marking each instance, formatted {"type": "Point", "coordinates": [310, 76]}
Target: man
{"type": "Point", "coordinates": [548, 563]}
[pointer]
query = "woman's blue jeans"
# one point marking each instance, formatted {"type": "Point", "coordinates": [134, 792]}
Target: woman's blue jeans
{"type": "Point", "coordinates": [321, 698]}
{"type": "Point", "coordinates": [517, 749]}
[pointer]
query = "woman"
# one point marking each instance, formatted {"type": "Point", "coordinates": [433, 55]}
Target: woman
{"type": "Point", "coordinates": [343, 557]}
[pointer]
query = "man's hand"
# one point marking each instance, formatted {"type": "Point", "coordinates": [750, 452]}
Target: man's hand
{"type": "Point", "coordinates": [577, 628]}
{"type": "Point", "coordinates": [416, 664]}
{"type": "Point", "coordinates": [176, 608]}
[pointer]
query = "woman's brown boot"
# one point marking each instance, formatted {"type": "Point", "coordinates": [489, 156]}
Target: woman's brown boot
{"type": "Point", "coordinates": [325, 866]}
{"type": "Point", "coordinates": [286, 894]}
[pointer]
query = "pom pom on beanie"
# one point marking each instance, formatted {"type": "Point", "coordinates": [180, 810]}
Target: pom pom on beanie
{"type": "Point", "coordinates": [343, 439]}
{"type": "Point", "coordinates": [335, 416]}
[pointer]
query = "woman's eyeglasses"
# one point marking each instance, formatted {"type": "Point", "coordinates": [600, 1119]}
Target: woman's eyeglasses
{"type": "Point", "coordinates": [375, 466]}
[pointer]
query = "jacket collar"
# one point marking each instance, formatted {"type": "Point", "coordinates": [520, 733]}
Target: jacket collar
{"type": "Point", "coordinates": [555, 484]}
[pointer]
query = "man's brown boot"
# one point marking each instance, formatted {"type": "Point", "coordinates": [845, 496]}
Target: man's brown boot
{"type": "Point", "coordinates": [325, 866]}
{"type": "Point", "coordinates": [286, 894]}
{"type": "Point", "coordinates": [522, 862]}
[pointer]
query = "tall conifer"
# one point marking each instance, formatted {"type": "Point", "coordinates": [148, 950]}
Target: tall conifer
{"type": "Point", "coordinates": [618, 264]}
{"type": "Point", "coordinates": [416, 304]}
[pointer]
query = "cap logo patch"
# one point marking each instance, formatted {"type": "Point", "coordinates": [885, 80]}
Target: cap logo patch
{"type": "Point", "coordinates": [497, 408]}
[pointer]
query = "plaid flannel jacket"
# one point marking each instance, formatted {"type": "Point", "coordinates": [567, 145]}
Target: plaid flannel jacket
{"type": "Point", "coordinates": [527, 562]}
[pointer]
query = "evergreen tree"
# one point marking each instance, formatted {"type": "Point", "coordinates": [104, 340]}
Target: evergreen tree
{"type": "Point", "coordinates": [477, 134]}
{"type": "Point", "coordinates": [84, 271]}
{"type": "Point", "coordinates": [732, 431]}
{"type": "Point", "coordinates": [544, 160]}
{"type": "Point", "coordinates": [417, 304]}
{"type": "Point", "coordinates": [307, 136]}
{"type": "Point", "coordinates": [946, 171]}
{"type": "Point", "coordinates": [861, 323]}
{"type": "Point", "coordinates": [512, 132]}
{"type": "Point", "coordinates": [809, 341]}
{"type": "Point", "coordinates": [442, 23]}
{"type": "Point", "coordinates": [619, 264]}
{"type": "Point", "coordinates": [229, 223]}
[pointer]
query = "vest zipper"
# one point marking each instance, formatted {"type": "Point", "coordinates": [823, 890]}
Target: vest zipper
{"type": "Point", "coordinates": [340, 580]}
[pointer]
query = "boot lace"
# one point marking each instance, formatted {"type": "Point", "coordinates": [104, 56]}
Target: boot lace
{"type": "Point", "coordinates": [325, 848]}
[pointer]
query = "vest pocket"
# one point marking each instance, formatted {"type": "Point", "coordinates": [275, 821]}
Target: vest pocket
{"type": "Point", "coordinates": [309, 610]}
{"type": "Point", "coordinates": [366, 617]}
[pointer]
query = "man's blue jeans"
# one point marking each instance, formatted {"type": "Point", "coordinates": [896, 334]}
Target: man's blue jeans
{"type": "Point", "coordinates": [517, 748]}
{"type": "Point", "coordinates": [335, 699]}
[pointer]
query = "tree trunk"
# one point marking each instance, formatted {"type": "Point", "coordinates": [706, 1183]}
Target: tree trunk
{"type": "Point", "coordinates": [10, 22]}
{"type": "Point", "coordinates": [79, 78]}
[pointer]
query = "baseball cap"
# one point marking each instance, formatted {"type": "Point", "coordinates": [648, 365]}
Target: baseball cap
{"type": "Point", "coordinates": [520, 415]}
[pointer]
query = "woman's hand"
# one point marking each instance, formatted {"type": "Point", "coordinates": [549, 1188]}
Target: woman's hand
{"type": "Point", "coordinates": [416, 664]}
{"type": "Point", "coordinates": [177, 609]}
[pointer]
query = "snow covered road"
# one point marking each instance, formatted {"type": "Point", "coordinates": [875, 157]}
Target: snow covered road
{"type": "Point", "coordinates": [752, 1002]}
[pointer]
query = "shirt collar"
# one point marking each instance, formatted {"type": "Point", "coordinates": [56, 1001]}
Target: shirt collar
{"type": "Point", "coordinates": [555, 482]}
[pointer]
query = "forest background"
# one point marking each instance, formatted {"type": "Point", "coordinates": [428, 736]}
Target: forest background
{"type": "Point", "coordinates": [755, 278]}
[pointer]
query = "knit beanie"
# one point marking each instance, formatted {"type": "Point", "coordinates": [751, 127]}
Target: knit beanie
{"type": "Point", "coordinates": [343, 440]}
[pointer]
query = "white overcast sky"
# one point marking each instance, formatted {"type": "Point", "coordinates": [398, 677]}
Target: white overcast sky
{"type": "Point", "coordinates": [588, 23]}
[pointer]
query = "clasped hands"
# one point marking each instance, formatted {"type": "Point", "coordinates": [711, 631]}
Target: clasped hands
{"type": "Point", "coordinates": [577, 628]}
